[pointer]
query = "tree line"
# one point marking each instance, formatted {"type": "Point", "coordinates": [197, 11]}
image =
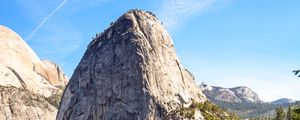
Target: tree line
{"type": "Point", "coordinates": [291, 113]}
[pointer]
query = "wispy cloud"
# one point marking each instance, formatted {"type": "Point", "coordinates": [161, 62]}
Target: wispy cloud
{"type": "Point", "coordinates": [174, 12]}
{"type": "Point", "coordinates": [56, 36]}
{"type": "Point", "coordinates": [56, 41]}
{"type": "Point", "coordinates": [37, 28]}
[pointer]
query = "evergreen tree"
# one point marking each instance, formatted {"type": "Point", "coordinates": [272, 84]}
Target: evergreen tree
{"type": "Point", "coordinates": [296, 114]}
{"type": "Point", "coordinates": [279, 114]}
{"type": "Point", "coordinates": [289, 114]}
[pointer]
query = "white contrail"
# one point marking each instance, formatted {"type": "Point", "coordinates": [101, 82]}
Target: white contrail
{"type": "Point", "coordinates": [37, 28]}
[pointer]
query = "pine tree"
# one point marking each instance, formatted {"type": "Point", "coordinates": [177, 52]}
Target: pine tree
{"type": "Point", "coordinates": [296, 114]}
{"type": "Point", "coordinates": [279, 114]}
{"type": "Point", "coordinates": [289, 114]}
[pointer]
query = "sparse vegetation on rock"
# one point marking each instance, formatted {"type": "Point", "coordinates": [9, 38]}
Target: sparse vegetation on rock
{"type": "Point", "coordinates": [21, 104]}
{"type": "Point", "coordinates": [208, 110]}
{"type": "Point", "coordinates": [55, 99]}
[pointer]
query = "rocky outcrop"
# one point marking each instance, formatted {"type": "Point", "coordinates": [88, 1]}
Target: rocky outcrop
{"type": "Point", "coordinates": [21, 104]}
{"type": "Point", "coordinates": [240, 94]}
{"type": "Point", "coordinates": [130, 71]}
{"type": "Point", "coordinates": [20, 67]}
{"type": "Point", "coordinates": [54, 74]}
{"type": "Point", "coordinates": [26, 81]}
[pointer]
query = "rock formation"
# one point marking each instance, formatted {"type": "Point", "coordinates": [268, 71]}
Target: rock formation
{"type": "Point", "coordinates": [21, 104]}
{"type": "Point", "coordinates": [240, 94]}
{"type": "Point", "coordinates": [20, 67]}
{"type": "Point", "coordinates": [25, 81]}
{"type": "Point", "coordinates": [129, 72]}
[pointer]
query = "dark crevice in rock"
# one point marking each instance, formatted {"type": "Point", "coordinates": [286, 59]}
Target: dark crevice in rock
{"type": "Point", "coordinates": [182, 77]}
{"type": "Point", "coordinates": [19, 78]}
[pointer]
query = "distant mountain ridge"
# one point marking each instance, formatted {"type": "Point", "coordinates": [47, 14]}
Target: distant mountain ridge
{"type": "Point", "coordinates": [243, 101]}
{"type": "Point", "coordinates": [283, 101]}
{"type": "Point", "coordinates": [236, 95]}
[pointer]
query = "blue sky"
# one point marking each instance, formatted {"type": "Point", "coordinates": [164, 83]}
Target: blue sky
{"type": "Point", "coordinates": [225, 43]}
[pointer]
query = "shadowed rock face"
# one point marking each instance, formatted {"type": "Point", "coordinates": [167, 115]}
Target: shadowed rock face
{"type": "Point", "coordinates": [131, 72]}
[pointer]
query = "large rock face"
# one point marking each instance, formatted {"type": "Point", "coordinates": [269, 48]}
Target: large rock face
{"type": "Point", "coordinates": [20, 67]}
{"type": "Point", "coordinates": [25, 81]}
{"type": "Point", "coordinates": [240, 94]}
{"type": "Point", "coordinates": [21, 104]}
{"type": "Point", "coordinates": [129, 72]}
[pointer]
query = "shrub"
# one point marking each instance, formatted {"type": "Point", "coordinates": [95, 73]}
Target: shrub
{"type": "Point", "coordinates": [55, 99]}
{"type": "Point", "coordinates": [209, 111]}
